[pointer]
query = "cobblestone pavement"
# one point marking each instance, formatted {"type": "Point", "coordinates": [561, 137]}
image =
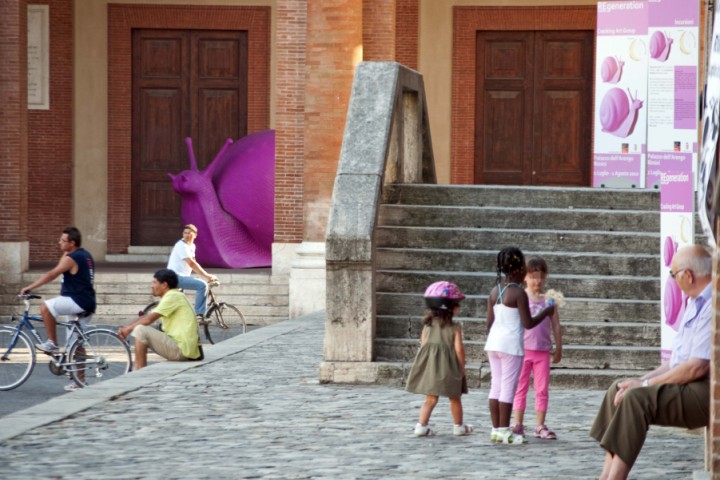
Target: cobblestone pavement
{"type": "Point", "coordinates": [255, 409]}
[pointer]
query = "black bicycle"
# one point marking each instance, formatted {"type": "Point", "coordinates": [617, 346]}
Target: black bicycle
{"type": "Point", "coordinates": [221, 320]}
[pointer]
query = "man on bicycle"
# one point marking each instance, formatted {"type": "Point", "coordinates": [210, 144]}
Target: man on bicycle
{"type": "Point", "coordinates": [179, 337]}
{"type": "Point", "coordinates": [182, 262]}
{"type": "Point", "coordinates": [77, 294]}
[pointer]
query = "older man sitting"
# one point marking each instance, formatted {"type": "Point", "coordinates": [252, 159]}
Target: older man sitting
{"type": "Point", "coordinates": [677, 393]}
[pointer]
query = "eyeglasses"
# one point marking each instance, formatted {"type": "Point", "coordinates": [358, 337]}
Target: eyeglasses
{"type": "Point", "coordinates": [62, 240]}
{"type": "Point", "coordinates": [673, 274]}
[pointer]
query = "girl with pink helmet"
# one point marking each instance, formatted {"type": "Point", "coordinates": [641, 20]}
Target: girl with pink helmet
{"type": "Point", "coordinates": [439, 366]}
{"type": "Point", "coordinates": [507, 314]}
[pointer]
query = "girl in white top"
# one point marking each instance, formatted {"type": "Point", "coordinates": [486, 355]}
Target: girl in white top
{"type": "Point", "coordinates": [508, 313]}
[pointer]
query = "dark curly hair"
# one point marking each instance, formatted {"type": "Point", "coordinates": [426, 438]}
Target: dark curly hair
{"type": "Point", "coordinates": [445, 316]}
{"type": "Point", "coordinates": [509, 260]}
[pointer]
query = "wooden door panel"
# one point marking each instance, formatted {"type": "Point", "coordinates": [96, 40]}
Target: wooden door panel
{"type": "Point", "coordinates": [185, 83]}
{"type": "Point", "coordinates": [219, 90]}
{"type": "Point", "coordinates": [504, 145]}
{"type": "Point", "coordinates": [503, 136]}
{"type": "Point", "coordinates": [563, 91]}
{"type": "Point", "coordinates": [219, 119]}
{"type": "Point", "coordinates": [533, 107]}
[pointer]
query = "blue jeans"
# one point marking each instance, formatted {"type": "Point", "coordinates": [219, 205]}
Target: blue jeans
{"type": "Point", "coordinates": [200, 287]}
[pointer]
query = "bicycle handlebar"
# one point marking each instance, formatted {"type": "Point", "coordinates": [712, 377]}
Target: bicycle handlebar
{"type": "Point", "coordinates": [29, 296]}
{"type": "Point", "coordinates": [214, 283]}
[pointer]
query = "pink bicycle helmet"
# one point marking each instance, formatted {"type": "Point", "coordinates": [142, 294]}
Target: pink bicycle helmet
{"type": "Point", "coordinates": [443, 295]}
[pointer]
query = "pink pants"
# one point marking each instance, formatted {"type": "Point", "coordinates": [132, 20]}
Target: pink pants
{"type": "Point", "coordinates": [504, 372]}
{"type": "Point", "coordinates": [537, 362]}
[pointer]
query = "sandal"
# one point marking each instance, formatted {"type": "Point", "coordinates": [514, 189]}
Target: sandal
{"type": "Point", "coordinates": [543, 432]}
{"type": "Point", "coordinates": [517, 429]}
{"type": "Point", "coordinates": [423, 430]}
{"type": "Point", "coordinates": [463, 429]}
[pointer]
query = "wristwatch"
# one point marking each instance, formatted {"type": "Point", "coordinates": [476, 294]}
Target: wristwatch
{"type": "Point", "coordinates": [646, 383]}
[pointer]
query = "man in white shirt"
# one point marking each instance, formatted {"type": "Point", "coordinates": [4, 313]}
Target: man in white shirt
{"type": "Point", "coordinates": [182, 262]}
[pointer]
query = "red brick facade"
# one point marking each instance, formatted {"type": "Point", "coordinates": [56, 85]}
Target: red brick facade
{"type": "Point", "coordinates": [466, 22]}
{"type": "Point", "coordinates": [406, 28]}
{"type": "Point", "coordinates": [378, 22]}
{"type": "Point", "coordinates": [290, 120]}
{"type": "Point", "coordinates": [333, 45]}
{"type": "Point", "coordinates": [50, 148]}
{"type": "Point", "coordinates": [13, 122]}
{"type": "Point", "coordinates": [121, 20]}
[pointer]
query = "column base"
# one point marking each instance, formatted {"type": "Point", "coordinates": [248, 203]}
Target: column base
{"type": "Point", "coordinates": [14, 257]}
{"type": "Point", "coordinates": [307, 279]}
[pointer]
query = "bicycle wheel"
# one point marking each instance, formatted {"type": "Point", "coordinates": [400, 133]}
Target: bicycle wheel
{"type": "Point", "coordinates": [17, 358]}
{"type": "Point", "coordinates": [148, 309]}
{"type": "Point", "coordinates": [100, 356]}
{"type": "Point", "coordinates": [224, 321]}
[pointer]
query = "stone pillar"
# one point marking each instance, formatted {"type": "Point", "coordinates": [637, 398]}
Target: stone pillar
{"type": "Point", "coordinates": [334, 47]}
{"type": "Point", "coordinates": [13, 137]}
{"type": "Point", "coordinates": [290, 79]}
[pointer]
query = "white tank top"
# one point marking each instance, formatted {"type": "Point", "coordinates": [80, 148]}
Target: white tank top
{"type": "Point", "coordinates": [506, 333]}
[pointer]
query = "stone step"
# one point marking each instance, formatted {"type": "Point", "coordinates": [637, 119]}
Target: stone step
{"type": "Point", "coordinates": [396, 373]}
{"type": "Point", "coordinates": [262, 297]}
{"type": "Point", "coordinates": [574, 356]}
{"type": "Point", "coordinates": [580, 333]}
{"type": "Point", "coordinates": [588, 286]}
{"type": "Point", "coordinates": [522, 197]}
{"type": "Point", "coordinates": [481, 239]}
{"type": "Point", "coordinates": [576, 309]}
{"type": "Point", "coordinates": [519, 218]}
{"type": "Point", "coordinates": [484, 260]}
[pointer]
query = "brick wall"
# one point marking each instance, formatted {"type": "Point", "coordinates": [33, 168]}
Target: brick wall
{"type": "Point", "coordinates": [50, 136]}
{"type": "Point", "coordinates": [13, 121]}
{"type": "Point", "coordinates": [466, 22]}
{"type": "Point", "coordinates": [333, 42]}
{"type": "Point", "coordinates": [290, 119]}
{"type": "Point", "coordinates": [406, 28]}
{"type": "Point", "coordinates": [121, 20]}
{"type": "Point", "coordinates": [378, 22]}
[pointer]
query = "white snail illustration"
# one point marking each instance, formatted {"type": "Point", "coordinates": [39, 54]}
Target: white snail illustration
{"type": "Point", "coordinates": [611, 69]}
{"type": "Point", "coordinates": [687, 43]}
{"type": "Point", "coordinates": [638, 50]}
{"type": "Point", "coordinates": [660, 46]}
{"type": "Point", "coordinates": [617, 114]}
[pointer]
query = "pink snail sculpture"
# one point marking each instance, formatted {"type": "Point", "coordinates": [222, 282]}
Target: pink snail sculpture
{"type": "Point", "coordinates": [231, 202]}
{"type": "Point", "coordinates": [617, 114]}
{"type": "Point", "coordinates": [611, 69]}
{"type": "Point", "coordinates": [660, 46]}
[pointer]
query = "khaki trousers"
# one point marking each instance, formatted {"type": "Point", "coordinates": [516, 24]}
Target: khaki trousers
{"type": "Point", "coordinates": [622, 430]}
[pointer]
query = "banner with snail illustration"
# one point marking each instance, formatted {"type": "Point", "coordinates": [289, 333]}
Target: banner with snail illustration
{"type": "Point", "coordinates": [620, 95]}
{"type": "Point", "coordinates": [673, 31]}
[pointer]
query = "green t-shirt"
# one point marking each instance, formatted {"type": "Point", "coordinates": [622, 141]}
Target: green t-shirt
{"type": "Point", "coordinates": [178, 322]}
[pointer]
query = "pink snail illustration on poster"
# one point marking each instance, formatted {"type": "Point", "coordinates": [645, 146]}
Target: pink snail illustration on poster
{"type": "Point", "coordinates": [660, 46]}
{"type": "Point", "coordinates": [611, 70]}
{"type": "Point", "coordinates": [619, 112]}
{"type": "Point", "coordinates": [232, 202]}
{"type": "Point", "coordinates": [674, 300]}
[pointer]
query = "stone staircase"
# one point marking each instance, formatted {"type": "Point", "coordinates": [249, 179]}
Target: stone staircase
{"type": "Point", "coordinates": [602, 248]}
{"type": "Point", "coordinates": [123, 290]}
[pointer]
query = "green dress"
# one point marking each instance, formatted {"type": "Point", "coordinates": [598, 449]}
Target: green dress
{"type": "Point", "coordinates": [436, 370]}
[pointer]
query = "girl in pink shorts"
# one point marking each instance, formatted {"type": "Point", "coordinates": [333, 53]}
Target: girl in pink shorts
{"type": "Point", "coordinates": [508, 312]}
{"type": "Point", "coordinates": [538, 346]}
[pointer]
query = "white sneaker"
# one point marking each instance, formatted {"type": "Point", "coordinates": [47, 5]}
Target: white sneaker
{"type": "Point", "coordinates": [463, 429]}
{"type": "Point", "coordinates": [510, 438]}
{"type": "Point", "coordinates": [71, 387]}
{"type": "Point", "coordinates": [48, 346]}
{"type": "Point", "coordinates": [423, 430]}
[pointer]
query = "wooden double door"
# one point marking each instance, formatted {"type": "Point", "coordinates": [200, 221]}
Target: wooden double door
{"type": "Point", "coordinates": [534, 107]}
{"type": "Point", "coordinates": [186, 83]}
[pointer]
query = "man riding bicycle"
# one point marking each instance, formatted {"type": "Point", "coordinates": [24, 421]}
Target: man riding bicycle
{"type": "Point", "coordinates": [77, 294]}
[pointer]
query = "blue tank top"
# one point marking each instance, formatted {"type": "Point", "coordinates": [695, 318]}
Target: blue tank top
{"type": "Point", "coordinates": [79, 287]}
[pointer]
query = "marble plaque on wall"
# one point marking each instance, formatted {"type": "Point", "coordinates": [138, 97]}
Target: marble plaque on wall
{"type": "Point", "coordinates": [38, 57]}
